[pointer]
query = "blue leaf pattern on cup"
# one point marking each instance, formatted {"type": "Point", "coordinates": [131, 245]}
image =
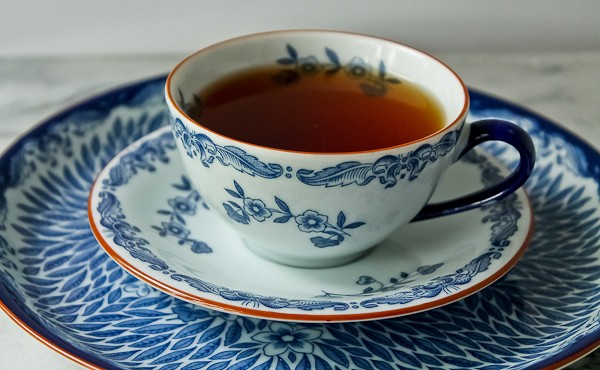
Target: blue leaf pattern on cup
{"type": "Point", "coordinates": [388, 169]}
{"type": "Point", "coordinates": [201, 146]}
{"type": "Point", "coordinates": [372, 84]}
{"type": "Point", "coordinates": [309, 221]}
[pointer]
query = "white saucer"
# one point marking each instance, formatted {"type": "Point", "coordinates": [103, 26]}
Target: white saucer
{"type": "Point", "coordinates": [149, 219]}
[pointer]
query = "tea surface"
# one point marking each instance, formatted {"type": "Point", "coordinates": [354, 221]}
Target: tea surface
{"type": "Point", "coordinates": [316, 112]}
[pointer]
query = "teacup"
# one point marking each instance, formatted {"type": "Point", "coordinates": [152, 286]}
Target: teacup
{"type": "Point", "coordinates": [321, 209]}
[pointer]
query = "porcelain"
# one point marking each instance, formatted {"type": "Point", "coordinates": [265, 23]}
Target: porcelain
{"type": "Point", "coordinates": [324, 209]}
{"type": "Point", "coordinates": [61, 287]}
{"type": "Point", "coordinates": [162, 231]}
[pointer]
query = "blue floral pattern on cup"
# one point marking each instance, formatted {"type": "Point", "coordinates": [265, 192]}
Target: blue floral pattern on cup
{"type": "Point", "coordinates": [309, 221]}
{"type": "Point", "coordinates": [201, 146]}
{"type": "Point", "coordinates": [371, 83]}
{"type": "Point", "coordinates": [388, 169]}
{"type": "Point", "coordinates": [372, 80]}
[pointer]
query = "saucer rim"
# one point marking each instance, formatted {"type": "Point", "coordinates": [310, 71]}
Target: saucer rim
{"type": "Point", "coordinates": [266, 312]}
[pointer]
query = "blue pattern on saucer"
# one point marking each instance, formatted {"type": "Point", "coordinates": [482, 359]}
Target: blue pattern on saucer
{"type": "Point", "coordinates": [59, 282]}
{"type": "Point", "coordinates": [182, 206]}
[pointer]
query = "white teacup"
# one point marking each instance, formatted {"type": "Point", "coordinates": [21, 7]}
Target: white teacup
{"type": "Point", "coordinates": [322, 209]}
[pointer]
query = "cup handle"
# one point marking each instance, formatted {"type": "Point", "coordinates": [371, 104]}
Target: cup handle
{"type": "Point", "coordinates": [482, 131]}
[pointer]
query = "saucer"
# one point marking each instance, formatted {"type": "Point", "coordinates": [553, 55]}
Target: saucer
{"type": "Point", "coordinates": [145, 213]}
{"type": "Point", "coordinates": [59, 285]}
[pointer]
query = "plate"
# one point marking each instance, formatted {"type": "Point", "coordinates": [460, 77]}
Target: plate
{"type": "Point", "coordinates": [147, 216]}
{"type": "Point", "coordinates": [60, 285]}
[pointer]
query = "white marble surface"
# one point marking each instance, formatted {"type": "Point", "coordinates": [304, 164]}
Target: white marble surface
{"type": "Point", "coordinates": [564, 87]}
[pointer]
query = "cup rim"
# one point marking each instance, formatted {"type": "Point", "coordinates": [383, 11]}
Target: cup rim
{"type": "Point", "coordinates": [454, 121]}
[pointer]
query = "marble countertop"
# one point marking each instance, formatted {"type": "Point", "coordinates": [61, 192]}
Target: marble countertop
{"type": "Point", "coordinates": [561, 86]}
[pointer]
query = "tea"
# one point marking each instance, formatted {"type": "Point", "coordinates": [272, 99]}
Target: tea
{"type": "Point", "coordinates": [316, 112]}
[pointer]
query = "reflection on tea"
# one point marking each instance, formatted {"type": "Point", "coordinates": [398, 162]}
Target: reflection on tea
{"type": "Point", "coordinates": [315, 113]}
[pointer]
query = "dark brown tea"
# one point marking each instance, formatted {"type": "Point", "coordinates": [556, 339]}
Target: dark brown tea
{"type": "Point", "coordinates": [317, 112]}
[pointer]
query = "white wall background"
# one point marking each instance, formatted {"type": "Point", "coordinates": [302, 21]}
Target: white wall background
{"type": "Point", "coordinates": [76, 27]}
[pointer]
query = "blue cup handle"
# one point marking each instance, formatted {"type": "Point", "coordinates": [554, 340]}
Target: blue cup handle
{"type": "Point", "coordinates": [482, 131]}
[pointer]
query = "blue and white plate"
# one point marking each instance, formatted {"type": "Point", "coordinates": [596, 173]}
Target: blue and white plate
{"type": "Point", "coordinates": [61, 286]}
{"type": "Point", "coordinates": [145, 213]}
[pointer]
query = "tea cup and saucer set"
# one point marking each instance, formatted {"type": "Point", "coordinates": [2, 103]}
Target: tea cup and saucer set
{"type": "Point", "coordinates": [142, 236]}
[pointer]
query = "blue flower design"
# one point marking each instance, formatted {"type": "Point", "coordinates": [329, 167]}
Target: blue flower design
{"type": "Point", "coordinates": [282, 337]}
{"type": "Point", "coordinates": [365, 280]}
{"type": "Point", "coordinates": [183, 205]}
{"type": "Point", "coordinates": [357, 68]}
{"type": "Point", "coordinates": [176, 226]}
{"type": "Point", "coordinates": [176, 229]}
{"type": "Point", "coordinates": [373, 82]}
{"type": "Point", "coordinates": [141, 289]}
{"type": "Point", "coordinates": [374, 285]}
{"type": "Point", "coordinates": [311, 221]}
{"type": "Point", "coordinates": [308, 222]}
{"type": "Point", "coordinates": [309, 65]}
{"type": "Point", "coordinates": [257, 209]}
